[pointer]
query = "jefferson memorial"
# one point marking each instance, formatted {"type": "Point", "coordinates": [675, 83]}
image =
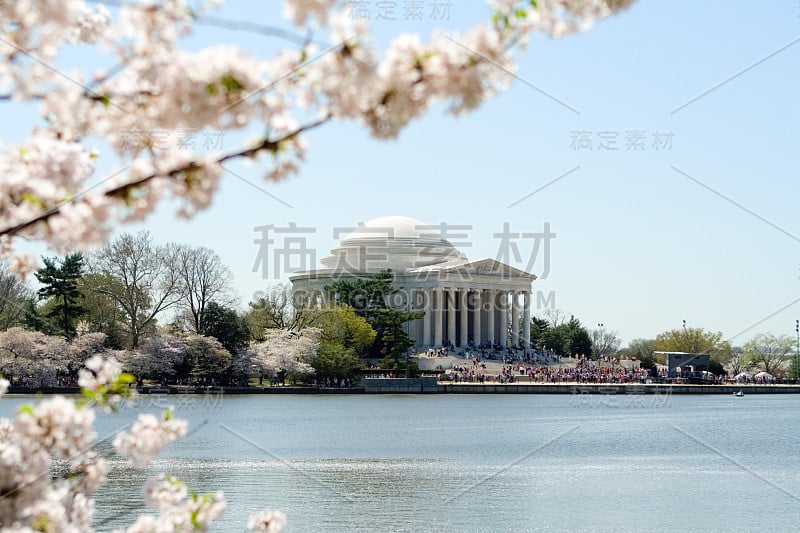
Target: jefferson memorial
{"type": "Point", "coordinates": [465, 301]}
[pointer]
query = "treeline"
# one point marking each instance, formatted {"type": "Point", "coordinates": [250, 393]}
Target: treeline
{"type": "Point", "coordinates": [562, 336]}
{"type": "Point", "coordinates": [116, 300]}
{"type": "Point", "coordinates": [123, 289]}
{"type": "Point", "coordinates": [152, 305]}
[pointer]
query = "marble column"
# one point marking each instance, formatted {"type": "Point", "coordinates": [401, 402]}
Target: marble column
{"type": "Point", "coordinates": [464, 318]}
{"type": "Point", "coordinates": [526, 319]}
{"type": "Point", "coordinates": [438, 312]}
{"type": "Point", "coordinates": [504, 319]}
{"type": "Point", "coordinates": [451, 316]}
{"type": "Point", "coordinates": [426, 320]}
{"type": "Point", "coordinates": [491, 335]}
{"type": "Point", "coordinates": [514, 318]}
{"type": "Point", "coordinates": [476, 321]}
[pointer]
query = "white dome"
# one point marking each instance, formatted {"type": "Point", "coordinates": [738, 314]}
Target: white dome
{"type": "Point", "coordinates": [395, 242]}
{"type": "Point", "coordinates": [394, 228]}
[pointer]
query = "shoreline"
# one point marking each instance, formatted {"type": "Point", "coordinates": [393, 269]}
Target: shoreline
{"type": "Point", "coordinates": [431, 386]}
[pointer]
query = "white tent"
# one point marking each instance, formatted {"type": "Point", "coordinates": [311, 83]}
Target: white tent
{"type": "Point", "coordinates": [743, 376]}
{"type": "Point", "coordinates": [765, 376]}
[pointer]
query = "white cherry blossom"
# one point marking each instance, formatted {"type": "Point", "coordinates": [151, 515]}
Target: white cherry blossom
{"type": "Point", "coordinates": [158, 87]}
{"type": "Point", "coordinates": [147, 436]}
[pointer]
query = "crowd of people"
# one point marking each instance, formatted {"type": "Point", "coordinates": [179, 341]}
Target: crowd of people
{"type": "Point", "coordinates": [51, 380]}
{"type": "Point", "coordinates": [333, 383]}
{"type": "Point", "coordinates": [494, 351]}
{"type": "Point", "coordinates": [584, 371]}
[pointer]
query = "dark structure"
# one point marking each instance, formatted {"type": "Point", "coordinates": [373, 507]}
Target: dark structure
{"type": "Point", "coordinates": [693, 366]}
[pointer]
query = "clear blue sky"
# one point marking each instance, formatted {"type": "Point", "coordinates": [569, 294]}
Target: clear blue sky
{"type": "Point", "coordinates": [703, 230]}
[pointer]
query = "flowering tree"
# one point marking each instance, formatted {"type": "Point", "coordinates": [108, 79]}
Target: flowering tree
{"type": "Point", "coordinates": [285, 352]}
{"type": "Point", "coordinates": [58, 429]}
{"type": "Point", "coordinates": [82, 347]}
{"type": "Point", "coordinates": [158, 356]}
{"type": "Point", "coordinates": [156, 86]}
{"type": "Point", "coordinates": [32, 358]}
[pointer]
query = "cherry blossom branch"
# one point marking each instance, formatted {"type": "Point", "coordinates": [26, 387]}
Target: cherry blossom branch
{"type": "Point", "coordinates": [121, 191]}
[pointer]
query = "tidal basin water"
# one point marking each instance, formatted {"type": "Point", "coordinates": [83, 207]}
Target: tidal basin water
{"type": "Point", "coordinates": [479, 462]}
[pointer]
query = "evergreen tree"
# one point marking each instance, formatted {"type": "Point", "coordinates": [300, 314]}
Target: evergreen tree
{"type": "Point", "coordinates": [539, 327]}
{"type": "Point", "coordinates": [392, 341]}
{"type": "Point", "coordinates": [580, 343]}
{"type": "Point", "coordinates": [36, 320]}
{"type": "Point", "coordinates": [60, 283]}
{"type": "Point", "coordinates": [365, 295]}
{"type": "Point", "coordinates": [368, 298]}
{"type": "Point", "coordinates": [225, 325]}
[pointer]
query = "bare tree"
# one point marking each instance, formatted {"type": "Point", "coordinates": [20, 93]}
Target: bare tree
{"type": "Point", "coordinates": [203, 278]}
{"type": "Point", "coordinates": [738, 361]}
{"type": "Point", "coordinates": [604, 343]}
{"type": "Point", "coordinates": [13, 297]}
{"type": "Point", "coordinates": [556, 317]}
{"type": "Point", "coordinates": [274, 309]}
{"type": "Point", "coordinates": [141, 278]}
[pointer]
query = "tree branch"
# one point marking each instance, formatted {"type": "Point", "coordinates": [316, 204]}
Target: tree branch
{"type": "Point", "coordinates": [266, 145]}
{"type": "Point", "coordinates": [220, 22]}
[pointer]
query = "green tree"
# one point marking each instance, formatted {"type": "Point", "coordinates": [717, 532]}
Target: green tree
{"type": "Point", "coordinates": [225, 325]}
{"type": "Point", "coordinates": [642, 349]}
{"type": "Point", "coordinates": [60, 285]}
{"type": "Point", "coordinates": [14, 298]}
{"type": "Point", "coordinates": [36, 317]}
{"type": "Point", "coordinates": [103, 315]}
{"type": "Point", "coordinates": [344, 336]}
{"type": "Point", "coordinates": [206, 357]}
{"type": "Point", "coordinates": [578, 340]}
{"type": "Point", "coordinates": [392, 341]}
{"type": "Point", "coordinates": [561, 335]}
{"type": "Point", "coordinates": [335, 360]}
{"type": "Point", "coordinates": [365, 295]}
{"type": "Point", "coordinates": [694, 340]}
{"type": "Point", "coordinates": [368, 297]}
{"type": "Point", "coordinates": [716, 368]}
{"type": "Point", "coordinates": [794, 367]}
{"type": "Point", "coordinates": [539, 327]}
{"type": "Point", "coordinates": [556, 339]}
{"type": "Point", "coordinates": [341, 325]}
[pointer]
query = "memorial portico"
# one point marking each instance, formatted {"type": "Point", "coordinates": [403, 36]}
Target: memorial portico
{"type": "Point", "coordinates": [465, 301]}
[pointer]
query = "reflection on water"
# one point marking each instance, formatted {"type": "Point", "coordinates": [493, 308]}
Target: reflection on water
{"type": "Point", "coordinates": [481, 463]}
